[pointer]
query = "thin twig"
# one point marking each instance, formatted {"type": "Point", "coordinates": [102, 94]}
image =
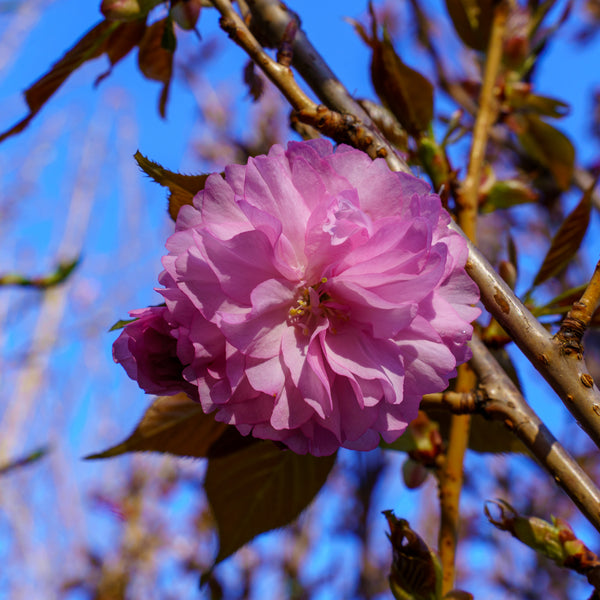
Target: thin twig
{"type": "Point", "coordinates": [450, 477]}
{"type": "Point", "coordinates": [458, 403]}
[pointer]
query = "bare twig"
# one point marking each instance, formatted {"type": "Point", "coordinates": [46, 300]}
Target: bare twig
{"type": "Point", "coordinates": [458, 403]}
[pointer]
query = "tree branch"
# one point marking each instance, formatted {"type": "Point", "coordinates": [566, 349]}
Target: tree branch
{"type": "Point", "coordinates": [273, 18]}
{"type": "Point", "coordinates": [563, 369]}
{"type": "Point", "coordinates": [503, 401]}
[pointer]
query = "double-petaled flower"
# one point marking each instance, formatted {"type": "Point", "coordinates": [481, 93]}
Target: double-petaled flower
{"type": "Point", "coordinates": [312, 297]}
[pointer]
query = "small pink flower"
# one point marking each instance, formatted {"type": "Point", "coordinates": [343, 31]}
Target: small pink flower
{"type": "Point", "coordinates": [312, 297]}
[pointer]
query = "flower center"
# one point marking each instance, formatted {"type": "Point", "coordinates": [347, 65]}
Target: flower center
{"type": "Point", "coordinates": [315, 302]}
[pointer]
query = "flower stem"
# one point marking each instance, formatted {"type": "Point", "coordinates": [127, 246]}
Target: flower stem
{"type": "Point", "coordinates": [451, 475]}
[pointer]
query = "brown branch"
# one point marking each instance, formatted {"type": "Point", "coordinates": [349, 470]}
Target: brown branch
{"type": "Point", "coordinates": [450, 478]}
{"type": "Point", "coordinates": [486, 116]}
{"type": "Point", "coordinates": [272, 18]}
{"type": "Point", "coordinates": [342, 127]}
{"type": "Point", "coordinates": [504, 402]}
{"type": "Point", "coordinates": [458, 403]}
{"type": "Point", "coordinates": [565, 372]}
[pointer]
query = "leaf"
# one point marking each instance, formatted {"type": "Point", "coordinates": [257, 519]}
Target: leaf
{"type": "Point", "coordinates": [505, 194]}
{"type": "Point", "coordinates": [472, 20]}
{"type": "Point", "coordinates": [177, 425]}
{"type": "Point", "coordinates": [121, 42]}
{"type": "Point", "coordinates": [567, 239]}
{"type": "Point", "coordinates": [255, 83]}
{"type": "Point", "coordinates": [90, 46]}
{"type": "Point", "coordinates": [24, 460]}
{"type": "Point", "coordinates": [154, 60]}
{"type": "Point", "coordinates": [560, 304]}
{"type": "Point", "coordinates": [183, 188]}
{"type": "Point", "coordinates": [62, 272]}
{"type": "Point", "coordinates": [546, 145]}
{"type": "Point", "coordinates": [547, 107]}
{"type": "Point", "coordinates": [407, 93]}
{"type": "Point", "coordinates": [260, 489]}
{"type": "Point", "coordinates": [121, 323]}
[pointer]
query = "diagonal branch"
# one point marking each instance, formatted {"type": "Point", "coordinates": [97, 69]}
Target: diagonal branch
{"type": "Point", "coordinates": [564, 370]}
{"type": "Point", "coordinates": [566, 374]}
{"type": "Point", "coordinates": [505, 402]}
{"type": "Point", "coordinates": [273, 18]}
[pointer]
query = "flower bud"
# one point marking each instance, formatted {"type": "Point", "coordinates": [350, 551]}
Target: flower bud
{"type": "Point", "coordinates": [127, 10]}
{"type": "Point", "coordinates": [186, 13]}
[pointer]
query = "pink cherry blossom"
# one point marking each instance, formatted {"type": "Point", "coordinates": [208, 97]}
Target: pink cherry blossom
{"type": "Point", "coordinates": [312, 297]}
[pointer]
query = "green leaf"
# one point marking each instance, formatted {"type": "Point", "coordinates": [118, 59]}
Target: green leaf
{"type": "Point", "coordinates": [24, 460]}
{"type": "Point", "coordinates": [177, 425]}
{"type": "Point", "coordinates": [62, 272]}
{"type": "Point", "coordinates": [567, 240]}
{"type": "Point", "coordinates": [546, 106]}
{"type": "Point", "coordinates": [259, 489]}
{"type": "Point", "coordinates": [505, 194]}
{"type": "Point", "coordinates": [182, 188]}
{"type": "Point", "coordinates": [472, 20]}
{"type": "Point", "coordinates": [560, 304]}
{"type": "Point", "coordinates": [121, 323]}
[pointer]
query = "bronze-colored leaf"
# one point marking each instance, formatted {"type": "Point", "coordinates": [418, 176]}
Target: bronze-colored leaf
{"type": "Point", "coordinates": [177, 425]}
{"type": "Point", "coordinates": [154, 60]}
{"type": "Point", "coordinates": [182, 188]}
{"type": "Point", "coordinates": [547, 145]}
{"type": "Point", "coordinates": [121, 42]}
{"type": "Point", "coordinates": [472, 21]}
{"type": "Point", "coordinates": [407, 93]}
{"type": "Point", "coordinates": [259, 489]}
{"type": "Point", "coordinates": [90, 46]}
{"type": "Point", "coordinates": [186, 13]}
{"type": "Point", "coordinates": [567, 239]}
{"type": "Point", "coordinates": [255, 83]}
{"type": "Point", "coordinates": [416, 571]}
